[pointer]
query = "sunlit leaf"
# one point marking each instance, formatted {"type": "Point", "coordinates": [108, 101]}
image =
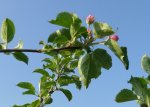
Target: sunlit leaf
{"type": "Point", "coordinates": [60, 36]}
{"type": "Point", "coordinates": [139, 86]}
{"type": "Point", "coordinates": [66, 80]}
{"type": "Point", "coordinates": [25, 105]}
{"type": "Point", "coordinates": [46, 84]}
{"type": "Point", "coordinates": [19, 45]}
{"type": "Point", "coordinates": [65, 19]}
{"type": "Point", "coordinates": [73, 64]}
{"type": "Point", "coordinates": [7, 30]}
{"type": "Point", "coordinates": [51, 64]}
{"type": "Point", "coordinates": [102, 29]}
{"type": "Point", "coordinates": [36, 103]}
{"type": "Point", "coordinates": [120, 52]}
{"type": "Point", "coordinates": [76, 29]}
{"type": "Point", "coordinates": [89, 68]}
{"type": "Point", "coordinates": [145, 62]}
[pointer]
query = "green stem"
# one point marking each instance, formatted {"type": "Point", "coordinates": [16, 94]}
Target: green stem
{"type": "Point", "coordinates": [51, 91]}
{"type": "Point", "coordinates": [98, 43]}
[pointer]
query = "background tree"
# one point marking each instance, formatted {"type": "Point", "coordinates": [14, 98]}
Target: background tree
{"type": "Point", "coordinates": [31, 24]}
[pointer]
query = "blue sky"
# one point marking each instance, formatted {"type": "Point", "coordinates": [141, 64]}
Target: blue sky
{"type": "Point", "coordinates": [31, 21]}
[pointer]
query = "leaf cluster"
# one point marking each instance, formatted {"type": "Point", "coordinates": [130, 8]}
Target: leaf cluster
{"type": "Point", "coordinates": [140, 87]}
{"type": "Point", "coordinates": [7, 35]}
{"type": "Point", "coordinates": [69, 49]}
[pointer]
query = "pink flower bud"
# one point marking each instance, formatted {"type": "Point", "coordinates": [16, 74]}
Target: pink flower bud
{"type": "Point", "coordinates": [90, 19]}
{"type": "Point", "coordinates": [114, 37]}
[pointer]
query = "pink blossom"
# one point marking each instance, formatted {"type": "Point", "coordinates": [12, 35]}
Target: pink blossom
{"type": "Point", "coordinates": [114, 37]}
{"type": "Point", "coordinates": [90, 19]}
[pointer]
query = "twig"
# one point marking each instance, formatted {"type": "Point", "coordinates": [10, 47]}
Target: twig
{"type": "Point", "coordinates": [38, 50]}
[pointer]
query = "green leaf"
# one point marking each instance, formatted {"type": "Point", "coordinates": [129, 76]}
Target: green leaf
{"type": "Point", "coordinates": [45, 85]}
{"type": "Point", "coordinates": [67, 71]}
{"type": "Point", "coordinates": [65, 61]}
{"type": "Point", "coordinates": [66, 80]}
{"type": "Point", "coordinates": [88, 67]}
{"type": "Point", "coordinates": [83, 32]}
{"type": "Point", "coordinates": [61, 39]}
{"type": "Point", "coordinates": [47, 47]}
{"type": "Point", "coordinates": [77, 81]}
{"type": "Point", "coordinates": [67, 93]}
{"type": "Point", "coordinates": [145, 62]}
{"type": "Point", "coordinates": [120, 52]}
{"type": "Point", "coordinates": [102, 29]}
{"type": "Point", "coordinates": [139, 86]}
{"type": "Point", "coordinates": [103, 58]}
{"type": "Point", "coordinates": [47, 82]}
{"type": "Point", "coordinates": [41, 71]}
{"type": "Point", "coordinates": [25, 105]}
{"type": "Point", "coordinates": [21, 57]}
{"type": "Point", "coordinates": [41, 43]}
{"type": "Point", "coordinates": [60, 36]}
{"type": "Point", "coordinates": [26, 85]}
{"type": "Point", "coordinates": [143, 105]}
{"type": "Point", "coordinates": [48, 60]}
{"type": "Point", "coordinates": [51, 64]}
{"type": "Point", "coordinates": [1, 47]}
{"type": "Point", "coordinates": [19, 45]}
{"type": "Point", "coordinates": [76, 29]}
{"type": "Point", "coordinates": [7, 30]}
{"type": "Point", "coordinates": [78, 54]}
{"type": "Point", "coordinates": [64, 19]}
{"type": "Point", "coordinates": [125, 58]}
{"type": "Point", "coordinates": [73, 64]}
{"type": "Point", "coordinates": [66, 53]}
{"type": "Point", "coordinates": [48, 100]}
{"type": "Point", "coordinates": [125, 95]}
{"type": "Point", "coordinates": [36, 103]}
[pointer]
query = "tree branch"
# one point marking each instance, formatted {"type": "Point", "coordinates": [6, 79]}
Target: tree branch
{"type": "Point", "coordinates": [20, 50]}
{"type": "Point", "coordinates": [67, 48]}
{"type": "Point", "coordinates": [39, 50]}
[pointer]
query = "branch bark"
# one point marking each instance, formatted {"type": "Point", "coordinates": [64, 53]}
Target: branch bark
{"type": "Point", "coordinates": [38, 50]}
